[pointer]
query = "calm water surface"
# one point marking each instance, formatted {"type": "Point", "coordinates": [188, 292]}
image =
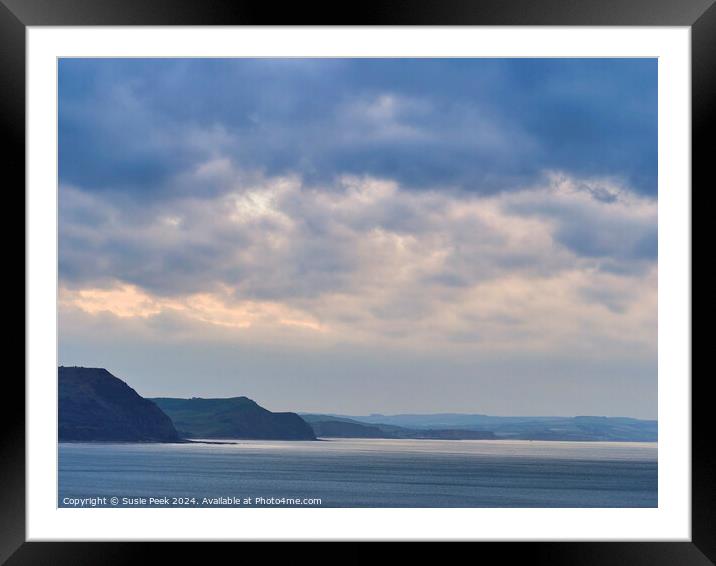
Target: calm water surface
{"type": "Point", "coordinates": [364, 473]}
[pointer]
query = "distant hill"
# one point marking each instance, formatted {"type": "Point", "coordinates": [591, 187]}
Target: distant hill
{"type": "Point", "coordinates": [94, 405]}
{"type": "Point", "coordinates": [326, 426]}
{"type": "Point", "coordinates": [450, 434]}
{"type": "Point", "coordinates": [455, 425]}
{"type": "Point", "coordinates": [234, 417]}
{"type": "Point", "coordinates": [343, 429]}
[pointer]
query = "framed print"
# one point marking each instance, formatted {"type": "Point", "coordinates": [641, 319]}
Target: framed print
{"type": "Point", "coordinates": [422, 276]}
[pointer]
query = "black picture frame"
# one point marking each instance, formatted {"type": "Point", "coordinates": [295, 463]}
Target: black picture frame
{"type": "Point", "coordinates": [16, 15]}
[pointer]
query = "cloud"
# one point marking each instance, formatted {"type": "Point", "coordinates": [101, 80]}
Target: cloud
{"type": "Point", "coordinates": [128, 301]}
{"type": "Point", "coordinates": [367, 260]}
{"type": "Point", "coordinates": [483, 125]}
{"type": "Point", "coordinates": [597, 218]}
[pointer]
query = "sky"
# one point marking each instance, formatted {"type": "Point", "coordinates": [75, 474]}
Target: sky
{"type": "Point", "coordinates": [363, 236]}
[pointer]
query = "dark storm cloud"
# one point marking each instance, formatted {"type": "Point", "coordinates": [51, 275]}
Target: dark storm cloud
{"type": "Point", "coordinates": [479, 125]}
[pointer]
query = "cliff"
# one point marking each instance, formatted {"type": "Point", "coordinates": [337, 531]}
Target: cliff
{"type": "Point", "coordinates": [234, 417]}
{"type": "Point", "coordinates": [94, 405]}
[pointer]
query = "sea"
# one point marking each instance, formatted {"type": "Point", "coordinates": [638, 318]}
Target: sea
{"type": "Point", "coordinates": [359, 473]}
